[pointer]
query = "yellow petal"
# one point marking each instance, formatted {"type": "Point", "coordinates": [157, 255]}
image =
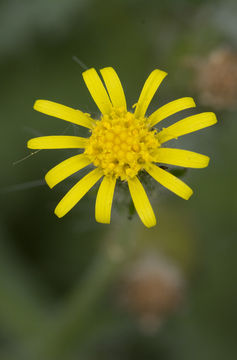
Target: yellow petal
{"type": "Point", "coordinates": [186, 126]}
{"type": "Point", "coordinates": [104, 200]}
{"type": "Point", "coordinates": [141, 202]}
{"type": "Point", "coordinates": [77, 192]}
{"type": "Point", "coordinates": [181, 158]}
{"type": "Point", "coordinates": [97, 90]}
{"type": "Point", "coordinates": [114, 88]}
{"type": "Point", "coordinates": [64, 112]}
{"type": "Point", "coordinates": [57, 142]}
{"type": "Point", "coordinates": [151, 85]}
{"type": "Point", "coordinates": [170, 109]}
{"type": "Point", "coordinates": [170, 181]}
{"type": "Point", "coordinates": [66, 168]}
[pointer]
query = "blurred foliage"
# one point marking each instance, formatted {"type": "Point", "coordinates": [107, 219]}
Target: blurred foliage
{"type": "Point", "coordinates": [59, 277]}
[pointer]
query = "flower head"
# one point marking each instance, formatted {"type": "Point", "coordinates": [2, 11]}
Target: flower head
{"type": "Point", "coordinates": [152, 288]}
{"type": "Point", "coordinates": [121, 144]}
{"type": "Point", "coordinates": [216, 78]}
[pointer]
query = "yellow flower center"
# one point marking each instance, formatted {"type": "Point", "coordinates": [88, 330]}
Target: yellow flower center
{"type": "Point", "coordinates": [121, 145]}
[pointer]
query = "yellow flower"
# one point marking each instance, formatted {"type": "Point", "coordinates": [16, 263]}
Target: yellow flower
{"type": "Point", "coordinates": [121, 144]}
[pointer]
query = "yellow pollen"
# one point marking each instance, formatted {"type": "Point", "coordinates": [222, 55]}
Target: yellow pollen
{"type": "Point", "coordinates": [130, 156]}
{"type": "Point", "coordinates": [117, 140]}
{"type": "Point", "coordinates": [116, 149]}
{"type": "Point", "coordinates": [109, 145]}
{"type": "Point", "coordinates": [123, 136]}
{"type": "Point", "coordinates": [136, 147]}
{"type": "Point", "coordinates": [121, 145]}
{"type": "Point", "coordinates": [121, 154]}
{"type": "Point", "coordinates": [109, 136]}
{"type": "Point", "coordinates": [124, 146]}
{"type": "Point", "coordinates": [135, 132]}
{"type": "Point", "coordinates": [111, 166]}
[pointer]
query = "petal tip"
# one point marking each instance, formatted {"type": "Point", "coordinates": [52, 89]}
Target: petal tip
{"type": "Point", "coordinates": [188, 195]}
{"type": "Point", "coordinates": [102, 221]}
{"type": "Point", "coordinates": [207, 161]}
{"type": "Point", "coordinates": [39, 104]}
{"type": "Point", "coordinates": [214, 118]}
{"type": "Point", "coordinates": [49, 181]}
{"type": "Point", "coordinates": [107, 68]}
{"type": "Point", "coordinates": [88, 71]}
{"type": "Point", "coordinates": [30, 144]}
{"type": "Point", "coordinates": [151, 224]}
{"type": "Point", "coordinates": [58, 212]}
{"type": "Point", "coordinates": [192, 102]}
{"type": "Point", "coordinates": [36, 103]}
{"type": "Point", "coordinates": [160, 71]}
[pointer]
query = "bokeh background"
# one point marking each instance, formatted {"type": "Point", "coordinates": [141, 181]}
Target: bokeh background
{"type": "Point", "coordinates": [74, 289]}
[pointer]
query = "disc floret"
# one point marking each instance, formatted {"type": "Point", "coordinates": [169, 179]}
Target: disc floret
{"type": "Point", "coordinates": [121, 144]}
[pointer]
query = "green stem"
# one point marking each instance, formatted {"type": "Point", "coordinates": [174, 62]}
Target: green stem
{"type": "Point", "coordinates": [20, 309]}
{"type": "Point", "coordinates": [61, 334]}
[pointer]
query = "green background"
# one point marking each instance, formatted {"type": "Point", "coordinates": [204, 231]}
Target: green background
{"type": "Point", "coordinates": [60, 280]}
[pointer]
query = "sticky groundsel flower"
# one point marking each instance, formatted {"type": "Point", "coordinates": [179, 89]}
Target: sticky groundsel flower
{"type": "Point", "coordinates": [121, 144]}
{"type": "Point", "coordinates": [216, 78]}
{"type": "Point", "coordinates": [152, 288]}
